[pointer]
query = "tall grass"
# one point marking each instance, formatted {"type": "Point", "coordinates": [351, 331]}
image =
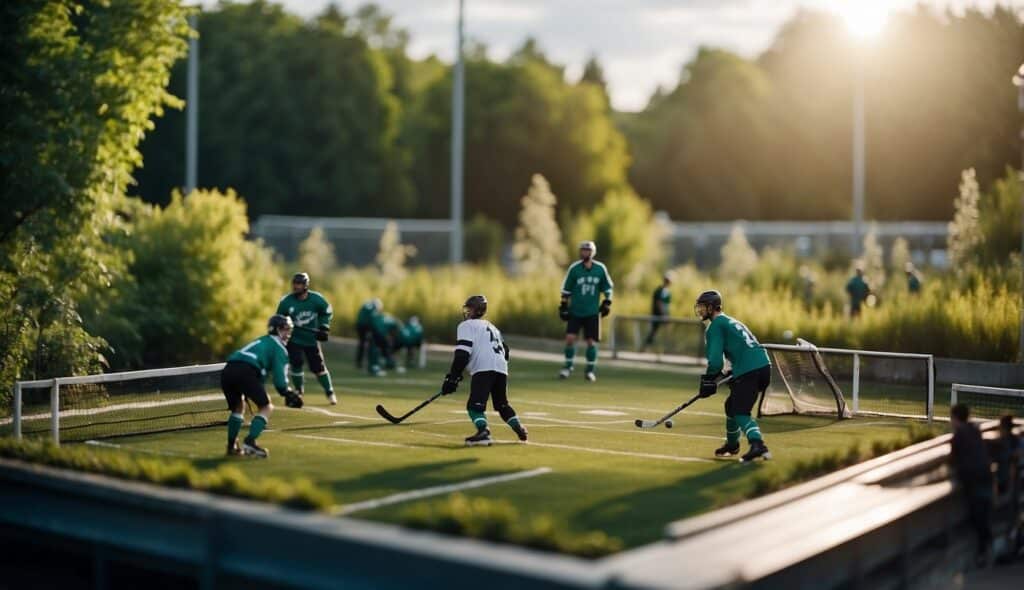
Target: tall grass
{"type": "Point", "coordinates": [974, 318]}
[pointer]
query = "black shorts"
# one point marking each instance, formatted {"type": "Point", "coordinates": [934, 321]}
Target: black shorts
{"type": "Point", "coordinates": [239, 380]}
{"type": "Point", "coordinates": [591, 326]}
{"type": "Point", "coordinates": [744, 390]}
{"type": "Point", "coordinates": [313, 354]}
{"type": "Point", "coordinates": [488, 384]}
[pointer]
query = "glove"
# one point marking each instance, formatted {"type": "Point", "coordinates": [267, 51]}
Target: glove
{"type": "Point", "coordinates": [606, 307]}
{"type": "Point", "coordinates": [563, 311]}
{"type": "Point", "coordinates": [451, 383]}
{"type": "Point", "coordinates": [292, 399]}
{"type": "Point", "coordinates": [321, 333]}
{"type": "Point", "coordinates": [708, 386]}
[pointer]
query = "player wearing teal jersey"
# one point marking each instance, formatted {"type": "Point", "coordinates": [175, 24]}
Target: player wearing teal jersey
{"type": "Point", "coordinates": [383, 328]}
{"type": "Point", "coordinates": [581, 307]}
{"type": "Point", "coordinates": [410, 337]}
{"type": "Point", "coordinates": [858, 290]}
{"type": "Point", "coordinates": [660, 300]}
{"type": "Point", "coordinates": [364, 327]}
{"type": "Point", "coordinates": [311, 315]}
{"type": "Point", "coordinates": [751, 375]}
{"type": "Point", "coordinates": [242, 379]}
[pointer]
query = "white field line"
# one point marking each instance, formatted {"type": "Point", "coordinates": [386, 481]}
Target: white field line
{"type": "Point", "coordinates": [118, 407]}
{"type": "Point", "coordinates": [438, 490]}
{"type": "Point", "coordinates": [352, 441]}
{"type": "Point", "coordinates": [645, 432]}
{"type": "Point", "coordinates": [107, 445]}
{"type": "Point", "coordinates": [627, 408]}
{"type": "Point", "coordinates": [327, 412]}
{"type": "Point", "coordinates": [674, 458]}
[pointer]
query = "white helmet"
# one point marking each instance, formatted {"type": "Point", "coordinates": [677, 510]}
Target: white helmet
{"type": "Point", "coordinates": [589, 245]}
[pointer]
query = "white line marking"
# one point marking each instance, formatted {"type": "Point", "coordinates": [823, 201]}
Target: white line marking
{"type": "Point", "coordinates": [99, 443]}
{"type": "Point", "coordinates": [677, 459]}
{"type": "Point", "coordinates": [327, 412]}
{"type": "Point", "coordinates": [356, 442]}
{"type": "Point", "coordinates": [603, 413]}
{"type": "Point", "coordinates": [636, 431]}
{"type": "Point", "coordinates": [438, 490]}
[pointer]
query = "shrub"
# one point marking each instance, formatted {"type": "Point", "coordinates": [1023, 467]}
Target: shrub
{"type": "Point", "coordinates": [499, 521]}
{"type": "Point", "coordinates": [484, 240]}
{"type": "Point", "coordinates": [225, 480]}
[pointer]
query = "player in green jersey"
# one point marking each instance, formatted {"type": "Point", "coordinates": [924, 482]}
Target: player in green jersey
{"type": "Point", "coordinates": [410, 337]}
{"type": "Point", "coordinates": [312, 317]}
{"type": "Point", "coordinates": [660, 300]}
{"type": "Point", "coordinates": [581, 307]}
{"type": "Point", "coordinates": [364, 327]}
{"type": "Point", "coordinates": [242, 378]}
{"type": "Point", "coordinates": [858, 290]}
{"type": "Point", "coordinates": [383, 328]}
{"type": "Point", "coordinates": [751, 375]}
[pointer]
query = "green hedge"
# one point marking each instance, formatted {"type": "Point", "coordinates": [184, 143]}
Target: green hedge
{"type": "Point", "coordinates": [225, 480]}
{"type": "Point", "coordinates": [499, 521]}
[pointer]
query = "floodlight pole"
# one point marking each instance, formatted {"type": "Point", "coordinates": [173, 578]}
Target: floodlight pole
{"type": "Point", "coordinates": [858, 155]}
{"type": "Point", "coordinates": [192, 109]}
{"type": "Point", "coordinates": [458, 91]}
{"type": "Point", "coordinates": [1018, 81]}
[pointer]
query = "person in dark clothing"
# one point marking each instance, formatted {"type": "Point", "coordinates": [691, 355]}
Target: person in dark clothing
{"type": "Point", "coordinates": [1007, 452]}
{"type": "Point", "coordinates": [970, 463]}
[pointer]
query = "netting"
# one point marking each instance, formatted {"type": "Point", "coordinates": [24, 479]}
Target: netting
{"type": "Point", "coordinates": [989, 403]}
{"type": "Point", "coordinates": [801, 384]}
{"type": "Point", "coordinates": [120, 404]}
{"type": "Point", "coordinates": [663, 339]}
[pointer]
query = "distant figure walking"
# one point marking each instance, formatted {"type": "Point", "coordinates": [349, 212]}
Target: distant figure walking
{"type": "Point", "coordinates": [858, 290]}
{"type": "Point", "coordinates": [660, 300]}
{"type": "Point", "coordinates": [913, 279]}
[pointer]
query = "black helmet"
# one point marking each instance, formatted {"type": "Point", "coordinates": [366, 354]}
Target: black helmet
{"type": "Point", "coordinates": [277, 322]}
{"type": "Point", "coordinates": [475, 307]}
{"type": "Point", "coordinates": [708, 302]}
{"type": "Point", "coordinates": [301, 278]}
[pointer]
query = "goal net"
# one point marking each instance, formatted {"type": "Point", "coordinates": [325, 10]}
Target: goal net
{"type": "Point", "coordinates": [988, 402]}
{"type": "Point", "coordinates": [657, 339]}
{"type": "Point", "coordinates": [808, 379]}
{"type": "Point", "coordinates": [116, 404]}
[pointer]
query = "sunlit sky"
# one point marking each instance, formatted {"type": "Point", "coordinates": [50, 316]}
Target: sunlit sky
{"type": "Point", "coordinates": [641, 43]}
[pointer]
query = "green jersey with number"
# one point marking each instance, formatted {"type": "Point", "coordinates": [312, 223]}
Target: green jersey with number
{"type": "Point", "coordinates": [583, 287]}
{"type": "Point", "coordinates": [731, 338]}
{"type": "Point", "coordinates": [267, 354]}
{"type": "Point", "coordinates": [309, 315]}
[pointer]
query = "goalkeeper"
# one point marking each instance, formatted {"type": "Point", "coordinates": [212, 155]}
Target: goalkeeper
{"type": "Point", "coordinates": [242, 378]}
{"type": "Point", "coordinates": [579, 308]}
{"type": "Point", "coordinates": [311, 314]}
{"type": "Point", "coordinates": [751, 370]}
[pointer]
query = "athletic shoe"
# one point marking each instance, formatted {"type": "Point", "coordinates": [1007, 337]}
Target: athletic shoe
{"type": "Point", "coordinates": [249, 447]}
{"type": "Point", "coordinates": [590, 376]}
{"type": "Point", "coordinates": [728, 450]}
{"type": "Point", "coordinates": [564, 373]}
{"type": "Point", "coordinates": [233, 449]}
{"type": "Point", "coordinates": [482, 438]}
{"type": "Point", "coordinates": [757, 449]}
{"type": "Point", "coordinates": [520, 431]}
{"type": "Point", "coordinates": [333, 399]}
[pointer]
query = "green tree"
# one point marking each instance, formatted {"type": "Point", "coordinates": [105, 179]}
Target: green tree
{"type": "Point", "coordinates": [964, 230]}
{"type": "Point", "coordinates": [739, 258]}
{"type": "Point", "coordinates": [393, 254]}
{"type": "Point", "coordinates": [538, 248]}
{"type": "Point", "coordinates": [999, 219]}
{"type": "Point", "coordinates": [80, 83]}
{"type": "Point", "coordinates": [316, 253]}
{"type": "Point", "coordinates": [299, 116]}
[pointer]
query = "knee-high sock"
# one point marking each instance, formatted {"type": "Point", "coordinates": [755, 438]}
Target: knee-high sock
{"type": "Point", "coordinates": [234, 425]}
{"type": "Point", "coordinates": [570, 353]}
{"type": "Point", "coordinates": [732, 430]}
{"type": "Point", "coordinates": [325, 381]}
{"type": "Point", "coordinates": [478, 418]}
{"type": "Point", "coordinates": [749, 427]}
{"type": "Point", "coordinates": [591, 357]}
{"type": "Point", "coordinates": [298, 378]}
{"type": "Point", "coordinates": [259, 422]}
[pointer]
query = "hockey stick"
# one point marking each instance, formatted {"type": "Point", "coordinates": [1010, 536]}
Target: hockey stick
{"type": "Point", "coordinates": [387, 415]}
{"type": "Point", "coordinates": [668, 424]}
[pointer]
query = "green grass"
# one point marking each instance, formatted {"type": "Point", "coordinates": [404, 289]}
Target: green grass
{"type": "Point", "coordinates": [606, 474]}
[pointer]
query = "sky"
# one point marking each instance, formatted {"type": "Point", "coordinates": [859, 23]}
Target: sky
{"type": "Point", "coordinates": [640, 43]}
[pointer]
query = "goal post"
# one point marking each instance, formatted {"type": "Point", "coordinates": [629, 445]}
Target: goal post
{"type": "Point", "coordinates": [988, 402]}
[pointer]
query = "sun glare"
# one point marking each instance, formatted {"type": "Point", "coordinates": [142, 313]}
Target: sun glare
{"type": "Point", "coordinates": [865, 18]}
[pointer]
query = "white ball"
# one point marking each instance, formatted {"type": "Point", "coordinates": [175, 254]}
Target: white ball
{"type": "Point", "coordinates": [788, 334]}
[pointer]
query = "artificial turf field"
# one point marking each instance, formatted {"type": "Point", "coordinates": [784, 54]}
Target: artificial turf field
{"type": "Point", "coordinates": [605, 474]}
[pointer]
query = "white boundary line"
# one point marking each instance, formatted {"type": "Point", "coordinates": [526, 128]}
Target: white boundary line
{"type": "Point", "coordinates": [438, 490]}
{"type": "Point", "coordinates": [131, 449]}
{"type": "Point", "coordinates": [352, 441]}
{"type": "Point", "coordinates": [676, 459]}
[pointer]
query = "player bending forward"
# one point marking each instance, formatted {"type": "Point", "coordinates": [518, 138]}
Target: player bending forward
{"type": "Point", "coordinates": [242, 377]}
{"type": "Point", "coordinates": [751, 370]}
{"type": "Point", "coordinates": [584, 281]}
{"type": "Point", "coordinates": [481, 348]}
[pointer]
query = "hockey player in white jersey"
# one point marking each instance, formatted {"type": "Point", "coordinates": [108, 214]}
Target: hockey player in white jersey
{"type": "Point", "coordinates": [481, 348]}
